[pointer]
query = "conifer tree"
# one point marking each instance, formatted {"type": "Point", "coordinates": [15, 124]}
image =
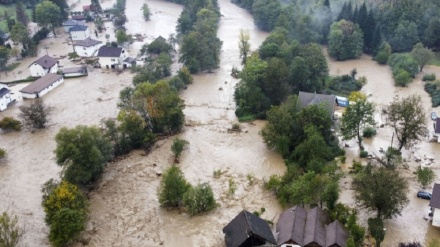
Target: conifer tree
{"type": "Point", "coordinates": [21, 14]}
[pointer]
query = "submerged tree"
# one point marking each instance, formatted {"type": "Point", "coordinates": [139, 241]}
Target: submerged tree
{"type": "Point", "coordinates": [345, 40]}
{"type": "Point", "coordinates": [425, 176]}
{"type": "Point", "coordinates": [422, 55]}
{"type": "Point", "coordinates": [172, 187]}
{"type": "Point", "coordinates": [35, 115]}
{"type": "Point", "coordinates": [10, 231]}
{"type": "Point", "coordinates": [244, 45]}
{"type": "Point", "coordinates": [48, 14]}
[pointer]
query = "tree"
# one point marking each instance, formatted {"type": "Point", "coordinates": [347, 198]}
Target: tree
{"type": "Point", "coordinates": [266, 13]}
{"type": "Point", "coordinates": [10, 232]}
{"type": "Point", "coordinates": [146, 12]}
{"type": "Point", "coordinates": [357, 115]}
{"type": "Point", "coordinates": [312, 150]}
{"type": "Point", "coordinates": [244, 45]}
{"type": "Point", "coordinates": [382, 190]}
{"type": "Point", "coordinates": [4, 57]}
{"type": "Point", "coordinates": [177, 147]}
{"type": "Point", "coordinates": [47, 13]}
{"type": "Point", "coordinates": [83, 152]}
{"type": "Point", "coordinates": [35, 115]}
{"type": "Point", "coordinates": [15, 52]}
{"type": "Point", "coordinates": [422, 55]}
{"type": "Point", "coordinates": [10, 124]}
{"type": "Point", "coordinates": [66, 226]}
{"type": "Point", "coordinates": [19, 33]}
{"type": "Point", "coordinates": [345, 40]}
{"type": "Point", "coordinates": [134, 128]}
{"type": "Point", "coordinates": [199, 199]}
{"type": "Point", "coordinates": [377, 230]}
{"type": "Point", "coordinates": [407, 118]}
{"type": "Point", "coordinates": [20, 13]}
{"type": "Point", "coordinates": [121, 36]}
{"type": "Point", "coordinates": [96, 6]}
{"type": "Point", "coordinates": [383, 54]}
{"type": "Point", "coordinates": [172, 187]}
{"type": "Point", "coordinates": [425, 176]}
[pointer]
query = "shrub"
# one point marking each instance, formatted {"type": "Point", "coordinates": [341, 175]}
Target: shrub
{"type": "Point", "coordinates": [72, 55]}
{"type": "Point", "coordinates": [199, 199]}
{"type": "Point", "coordinates": [232, 187]}
{"type": "Point", "coordinates": [236, 126]}
{"type": "Point", "coordinates": [369, 132]}
{"type": "Point", "coordinates": [10, 232]}
{"type": "Point", "coordinates": [177, 147]}
{"type": "Point", "coordinates": [401, 77]}
{"type": "Point", "coordinates": [10, 123]}
{"type": "Point", "coordinates": [172, 187]}
{"type": "Point", "coordinates": [343, 159]}
{"type": "Point", "coordinates": [432, 89]}
{"type": "Point", "coordinates": [66, 226]}
{"type": "Point", "coordinates": [251, 178]}
{"type": "Point", "coordinates": [357, 166]}
{"type": "Point", "coordinates": [217, 173]}
{"type": "Point", "coordinates": [274, 183]}
{"type": "Point", "coordinates": [2, 153]}
{"type": "Point", "coordinates": [363, 154]}
{"type": "Point", "coordinates": [429, 77]}
{"type": "Point", "coordinates": [375, 226]}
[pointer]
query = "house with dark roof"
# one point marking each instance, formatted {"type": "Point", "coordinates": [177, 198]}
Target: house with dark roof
{"type": "Point", "coordinates": [5, 97]}
{"type": "Point", "coordinates": [297, 227]}
{"type": "Point", "coordinates": [87, 47]}
{"type": "Point", "coordinates": [306, 99]}
{"type": "Point", "coordinates": [71, 23]}
{"type": "Point", "coordinates": [41, 86]}
{"type": "Point", "coordinates": [247, 230]}
{"type": "Point", "coordinates": [112, 57]}
{"type": "Point", "coordinates": [44, 65]}
{"type": "Point", "coordinates": [434, 203]}
{"type": "Point", "coordinates": [80, 32]}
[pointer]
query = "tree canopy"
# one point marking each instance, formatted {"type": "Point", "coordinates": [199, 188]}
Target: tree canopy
{"type": "Point", "coordinates": [345, 40]}
{"type": "Point", "coordinates": [48, 14]}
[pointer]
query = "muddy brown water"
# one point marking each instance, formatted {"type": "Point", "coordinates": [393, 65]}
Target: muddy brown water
{"type": "Point", "coordinates": [124, 208]}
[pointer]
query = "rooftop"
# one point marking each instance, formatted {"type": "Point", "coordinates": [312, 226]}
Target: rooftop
{"type": "Point", "coordinates": [106, 51]}
{"type": "Point", "coordinates": [435, 199]}
{"type": "Point", "coordinates": [42, 83]}
{"type": "Point", "coordinates": [87, 42]}
{"type": "Point", "coordinates": [46, 61]}
{"type": "Point", "coordinates": [78, 28]}
{"type": "Point", "coordinates": [4, 91]}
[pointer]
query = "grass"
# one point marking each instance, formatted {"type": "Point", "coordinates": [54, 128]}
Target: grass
{"type": "Point", "coordinates": [11, 67]}
{"type": "Point", "coordinates": [10, 9]}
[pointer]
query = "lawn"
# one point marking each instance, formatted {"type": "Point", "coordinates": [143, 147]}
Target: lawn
{"type": "Point", "coordinates": [10, 10]}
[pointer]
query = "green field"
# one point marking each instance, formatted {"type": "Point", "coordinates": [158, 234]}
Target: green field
{"type": "Point", "coordinates": [10, 9]}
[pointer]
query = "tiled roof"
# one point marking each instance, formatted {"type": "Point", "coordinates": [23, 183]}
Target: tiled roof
{"type": "Point", "coordinates": [42, 83]}
{"type": "Point", "coordinates": [46, 61]}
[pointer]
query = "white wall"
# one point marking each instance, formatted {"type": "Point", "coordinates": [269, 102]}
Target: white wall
{"type": "Point", "coordinates": [4, 101]}
{"type": "Point", "coordinates": [87, 51]}
{"type": "Point", "coordinates": [108, 61]}
{"type": "Point", "coordinates": [44, 91]}
{"type": "Point", "coordinates": [436, 217]}
{"type": "Point", "coordinates": [80, 35]}
{"type": "Point", "coordinates": [38, 71]}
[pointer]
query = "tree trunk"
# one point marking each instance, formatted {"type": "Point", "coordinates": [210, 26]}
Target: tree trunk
{"type": "Point", "coordinates": [53, 30]}
{"type": "Point", "coordinates": [360, 140]}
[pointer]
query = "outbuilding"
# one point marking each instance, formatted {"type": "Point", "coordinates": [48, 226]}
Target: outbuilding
{"type": "Point", "coordinates": [44, 65]}
{"type": "Point", "coordinates": [5, 97]}
{"type": "Point", "coordinates": [80, 32]}
{"type": "Point", "coordinates": [75, 71]}
{"type": "Point", "coordinates": [111, 57]}
{"type": "Point", "coordinates": [41, 86]}
{"type": "Point", "coordinates": [87, 47]}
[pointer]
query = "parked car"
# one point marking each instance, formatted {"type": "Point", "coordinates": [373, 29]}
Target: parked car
{"type": "Point", "coordinates": [433, 116]}
{"type": "Point", "coordinates": [424, 195]}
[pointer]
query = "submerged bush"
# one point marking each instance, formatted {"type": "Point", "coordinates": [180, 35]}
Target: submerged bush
{"type": "Point", "coordinates": [363, 154]}
{"type": "Point", "coordinates": [369, 132]}
{"type": "Point", "coordinates": [429, 77]}
{"type": "Point", "coordinates": [10, 123]}
{"type": "Point", "coordinates": [199, 199]}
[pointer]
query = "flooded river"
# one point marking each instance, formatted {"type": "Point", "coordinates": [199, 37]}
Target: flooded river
{"type": "Point", "coordinates": [124, 209]}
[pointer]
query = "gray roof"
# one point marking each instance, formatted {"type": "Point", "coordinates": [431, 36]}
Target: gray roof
{"type": "Point", "coordinates": [336, 235]}
{"type": "Point", "coordinates": [81, 69]}
{"type": "Point", "coordinates": [437, 125]}
{"type": "Point", "coordinates": [78, 17]}
{"type": "Point", "coordinates": [4, 91]}
{"type": "Point", "coordinates": [435, 199]}
{"type": "Point", "coordinates": [244, 226]}
{"type": "Point", "coordinates": [130, 60]}
{"type": "Point", "coordinates": [106, 51]}
{"type": "Point", "coordinates": [291, 225]}
{"type": "Point", "coordinates": [307, 99]}
{"type": "Point", "coordinates": [71, 22]}
{"type": "Point", "coordinates": [42, 83]}
{"type": "Point", "coordinates": [78, 28]}
{"type": "Point", "coordinates": [314, 231]}
{"type": "Point", "coordinates": [87, 42]}
{"type": "Point", "coordinates": [46, 61]}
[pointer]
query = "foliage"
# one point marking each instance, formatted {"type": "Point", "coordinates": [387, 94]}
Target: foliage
{"type": "Point", "coordinates": [199, 199]}
{"type": "Point", "coordinates": [407, 118]}
{"type": "Point", "coordinates": [244, 45]}
{"type": "Point", "coordinates": [10, 123]}
{"type": "Point", "coordinates": [266, 13]}
{"type": "Point", "coordinates": [232, 187]}
{"type": "Point", "coordinates": [146, 12]}
{"type": "Point", "coordinates": [35, 115]}
{"type": "Point", "coordinates": [4, 57]}
{"type": "Point", "coordinates": [83, 152]}
{"type": "Point", "coordinates": [118, 139]}
{"type": "Point", "coordinates": [158, 46]}
{"type": "Point", "coordinates": [345, 40]}
{"type": "Point", "coordinates": [48, 13]}
{"type": "Point", "coordinates": [133, 127]}
{"type": "Point", "coordinates": [381, 190]}
{"type": "Point", "coordinates": [434, 243]}
{"type": "Point", "coordinates": [425, 176]}
{"type": "Point", "coordinates": [177, 147]}
{"type": "Point", "coordinates": [66, 226]}
{"type": "Point", "coordinates": [10, 232]}
{"type": "Point", "coordinates": [343, 85]}
{"type": "Point", "coordinates": [369, 132]}
{"type": "Point", "coordinates": [2, 153]}
{"type": "Point", "coordinates": [173, 186]}
{"type": "Point", "coordinates": [404, 67]}
{"type": "Point", "coordinates": [377, 230]}
{"type": "Point", "coordinates": [20, 14]}
{"type": "Point", "coordinates": [434, 91]}
{"type": "Point", "coordinates": [121, 36]}
{"type": "Point", "coordinates": [422, 55]}
{"type": "Point", "coordinates": [363, 154]}
{"type": "Point", "coordinates": [383, 54]}
{"type": "Point", "coordinates": [429, 77]}
{"type": "Point", "coordinates": [19, 33]}
{"type": "Point", "coordinates": [357, 166]}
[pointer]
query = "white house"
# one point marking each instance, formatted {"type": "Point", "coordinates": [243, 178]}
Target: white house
{"type": "Point", "coordinates": [42, 66]}
{"type": "Point", "coordinates": [41, 86]}
{"type": "Point", "coordinates": [434, 203]}
{"type": "Point", "coordinates": [80, 32]}
{"type": "Point", "coordinates": [5, 97]}
{"type": "Point", "coordinates": [112, 57]}
{"type": "Point", "coordinates": [87, 47]}
{"type": "Point", "coordinates": [71, 23]}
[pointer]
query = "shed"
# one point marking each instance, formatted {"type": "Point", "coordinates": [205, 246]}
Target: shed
{"type": "Point", "coordinates": [336, 235]}
{"type": "Point", "coordinates": [434, 203]}
{"type": "Point", "coordinates": [290, 227]}
{"type": "Point", "coordinates": [75, 71]}
{"type": "Point", "coordinates": [306, 99]}
{"type": "Point", "coordinates": [247, 230]}
{"type": "Point", "coordinates": [5, 97]}
{"type": "Point", "coordinates": [42, 86]}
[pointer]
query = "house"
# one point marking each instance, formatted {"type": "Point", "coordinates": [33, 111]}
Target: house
{"type": "Point", "coordinates": [87, 47]}
{"type": "Point", "coordinates": [298, 228]}
{"type": "Point", "coordinates": [80, 32]}
{"type": "Point", "coordinates": [44, 65]}
{"type": "Point", "coordinates": [71, 23]}
{"type": "Point", "coordinates": [434, 203]}
{"type": "Point", "coordinates": [247, 230]}
{"type": "Point", "coordinates": [41, 86]}
{"type": "Point", "coordinates": [307, 99]}
{"type": "Point", "coordinates": [112, 57]}
{"type": "Point", "coordinates": [5, 97]}
{"type": "Point", "coordinates": [75, 71]}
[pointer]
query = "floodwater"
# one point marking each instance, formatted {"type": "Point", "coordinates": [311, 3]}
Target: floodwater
{"type": "Point", "coordinates": [124, 209]}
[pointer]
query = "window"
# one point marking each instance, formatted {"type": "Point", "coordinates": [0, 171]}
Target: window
{"type": "Point", "coordinates": [113, 59]}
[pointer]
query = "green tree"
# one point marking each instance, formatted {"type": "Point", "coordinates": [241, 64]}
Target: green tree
{"type": "Point", "coordinates": [185, 75]}
{"type": "Point", "coordinates": [313, 149]}
{"type": "Point", "coordinates": [377, 230]}
{"type": "Point", "coordinates": [96, 6]}
{"type": "Point", "coordinates": [199, 199]}
{"type": "Point", "coordinates": [133, 127]}
{"type": "Point", "coordinates": [405, 36]}
{"type": "Point", "coordinates": [408, 119]}
{"type": "Point", "coordinates": [276, 86]}
{"type": "Point", "coordinates": [146, 12]}
{"type": "Point", "coordinates": [266, 13]}
{"type": "Point", "coordinates": [244, 45]}
{"type": "Point", "coordinates": [48, 14]}
{"type": "Point", "coordinates": [422, 55]}
{"type": "Point", "coordinates": [172, 187]}
{"type": "Point", "coordinates": [35, 115]}
{"type": "Point", "coordinates": [4, 57]}
{"type": "Point", "coordinates": [432, 33]}
{"type": "Point", "coordinates": [345, 40]}
{"type": "Point", "coordinates": [383, 53]}
{"type": "Point", "coordinates": [357, 115]}
{"type": "Point", "coordinates": [177, 147]}
{"type": "Point", "coordinates": [382, 190]}
{"type": "Point", "coordinates": [119, 140]}
{"type": "Point", "coordinates": [10, 232]}
{"type": "Point", "coordinates": [19, 33]}
{"type": "Point", "coordinates": [10, 123]}
{"type": "Point", "coordinates": [121, 36]}
{"type": "Point", "coordinates": [84, 152]}
{"type": "Point", "coordinates": [66, 226]}
{"type": "Point", "coordinates": [425, 176]}
{"type": "Point", "coordinates": [20, 13]}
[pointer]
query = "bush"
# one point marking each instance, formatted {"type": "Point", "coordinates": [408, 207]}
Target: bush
{"type": "Point", "coordinates": [10, 232]}
{"type": "Point", "coordinates": [343, 159]}
{"type": "Point", "coordinates": [10, 123]}
{"type": "Point", "coordinates": [66, 226]}
{"type": "Point", "coordinates": [199, 199]}
{"type": "Point", "coordinates": [429, 77]}
{"type": "Point", "coordinates": [369, 132]}
{"type": "Point", "coordinates": [363, 154]}
{"type": "Point", "coordinates": [2, 153]}
{"type": "Point", "coordinates": [432, 89]}
{"type": "Point", "coordinates": [72, 55]}
{"type": "Point", "coordinates": [357, 166]}
{"type": "Point", "coordinates": [177, 147]}
{"type": "Point", "coordinates": [172, 188]}
{"type": "Point", "coordinates": [274, 184]}
{"type": "Point", "coordinates": [401, 77]}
